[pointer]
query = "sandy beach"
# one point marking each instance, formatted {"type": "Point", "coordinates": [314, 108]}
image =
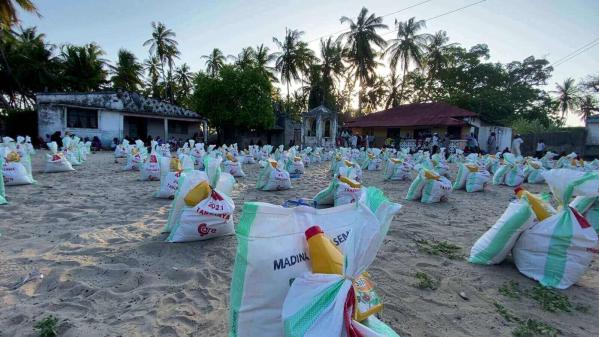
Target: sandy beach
{"type": "Point", "coordinates": [95, 235]}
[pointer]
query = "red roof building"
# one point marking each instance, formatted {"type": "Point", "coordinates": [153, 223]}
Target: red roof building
{"type": "Point", "coordinates": [412, 121]}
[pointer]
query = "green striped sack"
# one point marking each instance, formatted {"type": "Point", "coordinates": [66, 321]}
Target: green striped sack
{"type": "Point", "coordinates": [497, 242]}
{"type": "Point", "coordinates": [271, 253]}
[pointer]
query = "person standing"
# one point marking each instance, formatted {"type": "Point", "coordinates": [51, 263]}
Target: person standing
{"type": "Point", "coordinates": [492, 143]}
{"type": "Point", "coordinates": [540, 150]}
{"type": "Point", "coordinates": [516, 143]}
{"type": "Point", "coordinates": [354, 141]}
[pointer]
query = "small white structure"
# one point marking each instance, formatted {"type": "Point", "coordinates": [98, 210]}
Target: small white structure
{"type": "Point", "coordinates": [319, 127]}
{"type": "Point", "coordinates": [109, 115]}
{"type": "Point", "coordinates": [592, 129]}
{"type": "Point", "coordinates": [483, 131]}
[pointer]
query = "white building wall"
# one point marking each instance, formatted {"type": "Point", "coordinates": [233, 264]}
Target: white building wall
{"type": "Point", "coordinates": [50, 119]}
{"type": "Point", "coordinates": [592, 133]}
{"type": "Point", "coordinates": [503, 134]}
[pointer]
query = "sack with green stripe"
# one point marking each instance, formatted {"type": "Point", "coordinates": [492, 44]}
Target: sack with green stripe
{"type": "Point", "coordinates": [497, 242]}
{"type": "Point", "coordinates": [415, 190]}
{"type": "Point", "coordinates": [2, 191]}
{"type": "Point", "coordinates": [558, 250]}
{"type": "Point", "coordinates": [320, 305]}
{"type": "Point", "coordinates": [436, 189]}
{"type": "Point", "coordinates": [589, 207]}
{"type": "Point", "coordinates": [272, 253]}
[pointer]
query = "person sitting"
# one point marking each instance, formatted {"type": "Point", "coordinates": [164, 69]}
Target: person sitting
{"type": "Point", "coordinates": [96, 144]}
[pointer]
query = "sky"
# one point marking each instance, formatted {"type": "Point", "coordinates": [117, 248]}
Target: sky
{"type": "Point", "coordinates": [513, 29]}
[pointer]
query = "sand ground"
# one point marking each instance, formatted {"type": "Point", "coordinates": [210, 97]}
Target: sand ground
{"type": "Point", "coordinates": [95, 235]}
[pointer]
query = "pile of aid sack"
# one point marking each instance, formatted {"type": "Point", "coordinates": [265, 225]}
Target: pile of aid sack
{"type": "Point", "coordinates": [554, 247]}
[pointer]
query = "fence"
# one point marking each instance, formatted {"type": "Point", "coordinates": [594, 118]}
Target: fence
{"type": "Point", "coordinates": [567, 141]}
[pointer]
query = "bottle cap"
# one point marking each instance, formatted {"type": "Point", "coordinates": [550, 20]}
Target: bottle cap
{"type": "Point", "coordinates": [310, 232]}
{"type": "Point", "coordinates": [518, 189]}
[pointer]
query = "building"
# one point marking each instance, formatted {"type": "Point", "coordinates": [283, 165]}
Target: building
{"type": "Point", "coordinates": [410, 123]}
{"type": "Point", "coordinates": [109, 115]}
{"type": "Point", "coordinates": [319, 127]}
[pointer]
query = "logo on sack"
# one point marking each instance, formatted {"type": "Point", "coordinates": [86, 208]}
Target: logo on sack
{"type": "Point", "coordinates": [204, 230]}
{"type": "Point", "coordinates": [290, 261]}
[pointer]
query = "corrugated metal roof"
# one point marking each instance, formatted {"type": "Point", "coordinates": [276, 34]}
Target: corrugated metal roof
{"type": "Point", "coordinates": [417, 114]}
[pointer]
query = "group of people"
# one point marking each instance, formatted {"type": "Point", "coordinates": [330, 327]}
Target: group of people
{"type": "Point", "coordinates": [349, 139]}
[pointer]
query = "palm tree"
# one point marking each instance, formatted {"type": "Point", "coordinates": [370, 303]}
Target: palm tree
{"type": "Point", "coordinates": [588, 104]}
{"type": "Point", "coordinates": [437, 56]}
{"type": "Point", "coordinates": [568, 96]}
{"type": "Point", "coordinates": [407, 47]}
{"type": "Point", "coordinates": [83, 67]}
{"type": "Point", "coordinates": [374, 94]}
{"type": "Point", "coordinates": [392, 90]}
{"type": "Point", "coordinates": [164, 46]}
{"type": "Point", "coordinates": [263, 58]}
{"type": "Point", "coordinates": [127, 72]}
{"type": "Point", "coordinates": [8, 11]}
{"type": "Point", "coordinates": [184, 78]}
{"type": "Point", "coordinates": [214, 62]}
{"type": "Point", "coordinates": [152, 66]}
{"type": "Point", "coordinates": [331, 53]}
{"type": "Point", "coordinates": [359, 41]}
{"type": "Point", "coordinates": [291, 60]}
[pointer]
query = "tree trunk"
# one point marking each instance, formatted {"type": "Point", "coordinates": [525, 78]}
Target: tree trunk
{"type": "Point", "coordinates": [403, 81]}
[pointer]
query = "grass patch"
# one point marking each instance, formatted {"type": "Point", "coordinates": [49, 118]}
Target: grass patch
{"type": "Point", "coordinates": [584, 308]}
{"type": "Point", "coordinates": [425, 281]}
{"type": "Point", "coordinates": [528, 327]}
{"type": "Point", "coordinates": [506, 314]}
{"type": "Point", "coordinates": [47, 326]}
{"type": "Point", "coordinates": [511, 289]}
{"type": "Point", "coordinates": [532, 328]}
{"type": "Point", "coordinates": [440, 248]}
{"type": "Point", "coordinates": [549, 299]}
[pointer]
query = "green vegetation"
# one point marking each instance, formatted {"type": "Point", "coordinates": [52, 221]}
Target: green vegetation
{"type": "Point", "coordinates": [532, 328]}
{"type": "Point", "coordinates": [425, 281]}
{"type": "Point", "coordinates": [423, 67]}
{"type": "Point", "coordinates": [239, 98]}
{"type": "Point", "coordinates": [506, 314]}
{"type": "Point", "coordinates": [549, 299]}
{"type": "Point", "coordinates": [47, 326]}
{"type": "Point", "coordinates": [440, 248]}
{"type": "Point", "coordinates": [511, 289]}
{"type": "Point", "coordinates": [528, 327]}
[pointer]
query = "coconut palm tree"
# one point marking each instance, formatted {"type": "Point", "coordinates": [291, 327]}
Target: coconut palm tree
{"type": "Point", "coordinates": [567, 96]}
{"type": "Point", "coordinates": [83, 67]}
{"type": "Point", "coordinates": [8, 11]}
{"type": "Point", "coordinates": [588, 105]}
{"type": "Point", "coordinates": [245, 58]}
{"type": "Point", "coordinates": [127, 72]}
{"type": "Point", "coordinates": [360, 42]}
{"type": "Point", "coordinates": [184, 78]}
{"type": "Point", "coordinates": [152, 66]}
{"type": "Point", "coordinates": [291, 60]}
{"type": "Point", "coordinates": [331, 53]}
{"type": "Point", "coordinates": [214, 62]}
{"type": "Point", "coordinates": [164, 46]}
{"type": "Point", "coordinates": [392, 88]}
{"type": "Point", "coordinates": [263, 58]}
{"type": "Point", "coordinates": [408, 47]}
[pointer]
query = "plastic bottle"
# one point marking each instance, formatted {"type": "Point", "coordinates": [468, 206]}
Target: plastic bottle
{"type": "Point", "coordinates": [327, 259]}
{"type": "Point", "coordinates": [350, 182]}
{"type": "Point", "coordinates": [324, 255]}
{"type": "Point", "coordinates": [198, 193]}
{"type": "Point", "coordinates": [537, 205]}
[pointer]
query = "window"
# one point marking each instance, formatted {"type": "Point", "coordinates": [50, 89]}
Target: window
{"type": "Point", "coordinates": [177, 127]}
{"type": "Point", "coordinates": [82, 118]}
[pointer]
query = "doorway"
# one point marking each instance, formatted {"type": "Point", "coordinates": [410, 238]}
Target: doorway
{"type": "Point", "coordinates": [136, 127]}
